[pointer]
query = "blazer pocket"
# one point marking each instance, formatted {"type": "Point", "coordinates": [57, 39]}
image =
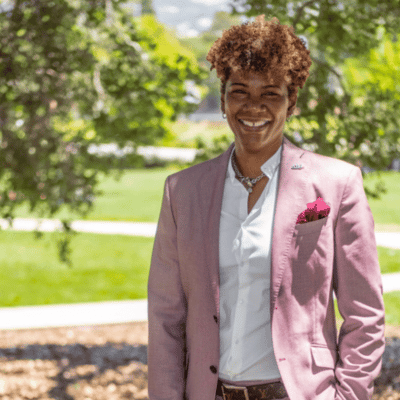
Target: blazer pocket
{"type": "Point", "coordinates": [309, 227]}
{"type": "Point", "coordinates": [324, 356]}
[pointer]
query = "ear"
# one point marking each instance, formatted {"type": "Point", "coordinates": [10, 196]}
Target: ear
{"type": "Point", "coordinates": [222, 103]}
{"type": "Point", "coordinates": [291, 108]}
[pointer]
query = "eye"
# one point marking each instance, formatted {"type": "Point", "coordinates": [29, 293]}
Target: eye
{"type": "Point", "coordinates": [241, 91]}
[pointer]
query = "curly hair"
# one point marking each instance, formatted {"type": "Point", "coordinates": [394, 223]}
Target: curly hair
{"type": "Point", "coordinates": [262, 46]}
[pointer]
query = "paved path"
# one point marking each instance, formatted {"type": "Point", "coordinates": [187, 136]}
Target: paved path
{"type": "Point", "coordinates": [99, 313]}
{"type": "Point", "coordinates": [115, 311]}
{"type": "Point", "coordinates": [385, 239]}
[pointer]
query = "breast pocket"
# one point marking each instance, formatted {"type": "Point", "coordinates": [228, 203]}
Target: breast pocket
{"type": "Point", "coordinates": [310, 227]}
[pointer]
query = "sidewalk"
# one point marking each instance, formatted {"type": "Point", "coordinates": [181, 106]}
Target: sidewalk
{"type": "Point", "coordinates": [384, 239]}
{"type": "Point", "coordinates": [99, 313]}
{"type": "Point", "coordinates": [112, 312]}
{"type": "Point", "coordinates": [79, 314]}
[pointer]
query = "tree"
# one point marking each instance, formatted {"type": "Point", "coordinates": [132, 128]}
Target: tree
{"type": "Point", "coordinates": [72, 74]}
{"type": "Point", "coordinates": [329, 120]}
{"type": "Point", "coordinates": [201, 45]}
{"type": "Point", "coordinates": [147, 7]}
{"type": "Point", "coordinates": [380, 67]}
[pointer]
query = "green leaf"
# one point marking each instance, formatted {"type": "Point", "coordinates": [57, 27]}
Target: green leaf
{"type": "Point", "coordinates": [164, 107]}
{"type": "Point", "coordinates": [389, 53]}
{"type": "Point", "coordinates": [100, 54]}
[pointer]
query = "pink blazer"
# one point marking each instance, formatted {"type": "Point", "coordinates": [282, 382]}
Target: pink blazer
{"type": "Point", "coordinates": [309, 262]}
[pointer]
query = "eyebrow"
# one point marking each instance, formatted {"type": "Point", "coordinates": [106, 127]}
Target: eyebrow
{"type": "Point", "coordinates": [264, 87]}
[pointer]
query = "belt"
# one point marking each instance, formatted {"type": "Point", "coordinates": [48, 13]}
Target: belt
{"type": "Point", "coordinates": [267, 391]}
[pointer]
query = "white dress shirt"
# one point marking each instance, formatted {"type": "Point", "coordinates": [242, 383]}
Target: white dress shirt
{"type": "Point", "coordinates": [246, 352]}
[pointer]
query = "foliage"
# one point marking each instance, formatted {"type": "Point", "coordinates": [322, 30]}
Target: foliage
{"type": "Point", "coordinates": [73, 74]}
{"type": "Point", "coordinates": [201, 45]}
{"type": "Point", "coordinates": [380, 67]}
{"type": "Point", "coordinates": [337, 122]}
{"type": "Point", "coordinates": [147, 7]}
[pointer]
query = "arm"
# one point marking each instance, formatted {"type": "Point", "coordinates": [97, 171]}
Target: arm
{"type": "Point", "coordinates": [357, 284]}
{"type": "Point", "coordinates": [166, 311]}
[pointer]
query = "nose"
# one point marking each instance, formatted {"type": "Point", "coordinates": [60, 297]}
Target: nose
{"type": "Point", "coordinates": [255, 107]}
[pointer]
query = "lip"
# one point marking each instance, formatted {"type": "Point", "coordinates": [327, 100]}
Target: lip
{"type": "Point", "coordinates": [253, 128]}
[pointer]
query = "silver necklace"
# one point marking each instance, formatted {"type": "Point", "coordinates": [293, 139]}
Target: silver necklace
{"type": "Point", "coordinates": [248, 181]}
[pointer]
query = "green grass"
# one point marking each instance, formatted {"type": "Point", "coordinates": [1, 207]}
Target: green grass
{"type": "Point", "coordinates": [389, 260]}
{"type": "Point", "coordinates": [184, 133]}
{"type": "Point", "coordinates": [137, 197]}
{"type": "Point", "coordinates": [391, 301]}
{"type": "Point", "coordinates": [105, 267]}
{"type": "Point", "coordinates": [392, 305]}
{"type": "Point", "coordinates": [385, 211]}
{"type": "Point", "coordinates": [113, 267]}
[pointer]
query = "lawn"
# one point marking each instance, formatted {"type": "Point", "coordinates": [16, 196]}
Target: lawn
{"type": "Point", "coordinates": [105, 267]}
{"type": "Point", "coordinates": [113, 267]}
{"type": "Point", "coordinates": [137, 197]}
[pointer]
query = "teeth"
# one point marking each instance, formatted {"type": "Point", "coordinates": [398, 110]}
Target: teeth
{"type": "Point", "coordinates": [248, 123]}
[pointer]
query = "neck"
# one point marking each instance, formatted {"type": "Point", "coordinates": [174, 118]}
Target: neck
{"type": "Point", "coordinates": [250, 163]}
{"type": "Point", "coordinates": [247, 167]}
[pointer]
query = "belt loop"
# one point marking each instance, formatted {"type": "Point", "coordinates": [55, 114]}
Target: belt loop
{"type": "Point", "coordinates": [223, 391]}
{"type": "Point", "coordinates": [244, 388]}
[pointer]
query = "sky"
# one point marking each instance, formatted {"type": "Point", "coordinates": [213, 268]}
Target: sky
{"type": "Point", "coordinates": [189, 17]}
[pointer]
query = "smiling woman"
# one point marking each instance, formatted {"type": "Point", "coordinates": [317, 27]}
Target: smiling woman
{"type": "Point", "coordinates": [240, 292]}
{"type": "Point", "coordinates": [261, 67]}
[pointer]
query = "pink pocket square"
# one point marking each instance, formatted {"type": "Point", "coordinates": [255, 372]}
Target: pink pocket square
{"type": "Point", "coordinates": [315, 211]}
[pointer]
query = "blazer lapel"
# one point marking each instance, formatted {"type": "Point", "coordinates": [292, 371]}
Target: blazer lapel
{"type": "Point", "coordinates": [291, 191]}
{"type": "Point", "coordinates": [212, 190]}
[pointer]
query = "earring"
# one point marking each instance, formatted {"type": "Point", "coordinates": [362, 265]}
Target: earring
{"type": "Point", "coordinates": [224, 115]}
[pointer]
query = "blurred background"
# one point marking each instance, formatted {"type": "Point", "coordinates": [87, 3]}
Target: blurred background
{"type": "Point", "coordinates": [101, 100]}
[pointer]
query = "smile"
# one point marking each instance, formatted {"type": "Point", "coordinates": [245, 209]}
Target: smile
{"type": "Point", "coordinates": [254, 126]}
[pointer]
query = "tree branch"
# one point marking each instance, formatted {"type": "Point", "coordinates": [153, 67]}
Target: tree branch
{"type": "Point", "coordinates": [16, 8]}
{"type": "Point", "coordinates": [325, 64]}
{"type": "Point", "coordinates": [331, 69]}
{"type": "Point", "coordinates": [299, 12]}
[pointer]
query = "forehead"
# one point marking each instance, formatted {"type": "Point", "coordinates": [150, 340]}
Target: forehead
{"type": "Point", "coordinates": [255, 79]}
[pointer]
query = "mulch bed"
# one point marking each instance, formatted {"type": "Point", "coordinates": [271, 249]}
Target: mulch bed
{"type": "Point", "coordinates": [107, 362]}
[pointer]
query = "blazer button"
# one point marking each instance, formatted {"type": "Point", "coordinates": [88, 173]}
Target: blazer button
{"type": "Point", "coordinates": [215, 319]}
{"type": "Point", "coordinates": [213, 369]}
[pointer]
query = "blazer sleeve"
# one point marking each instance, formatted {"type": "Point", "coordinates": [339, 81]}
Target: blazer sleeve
{"type": "Point", "coordinates": [357, 283]}
{"type": "Point", "coordinates": [167, 310]}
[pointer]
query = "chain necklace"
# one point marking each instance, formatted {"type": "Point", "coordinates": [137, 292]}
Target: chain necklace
{"type": "Point", "coordinates": [249, 182]}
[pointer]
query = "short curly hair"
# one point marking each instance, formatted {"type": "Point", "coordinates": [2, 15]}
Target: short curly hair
{"type": "Point", "coordinates": [262, 46]}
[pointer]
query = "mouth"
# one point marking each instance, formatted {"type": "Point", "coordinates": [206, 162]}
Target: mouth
{"type": "Point", "coordinates": [254, 126]}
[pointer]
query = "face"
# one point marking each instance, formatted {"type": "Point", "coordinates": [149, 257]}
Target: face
{"type": "Point", "coordinates": [248, 98]}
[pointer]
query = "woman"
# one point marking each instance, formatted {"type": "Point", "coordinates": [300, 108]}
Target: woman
{"type": "Point", "coordinates": [251, 245]}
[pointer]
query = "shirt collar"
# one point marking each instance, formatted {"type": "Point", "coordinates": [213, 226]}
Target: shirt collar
{"type": "Point", "coordinates": [268, 167]}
